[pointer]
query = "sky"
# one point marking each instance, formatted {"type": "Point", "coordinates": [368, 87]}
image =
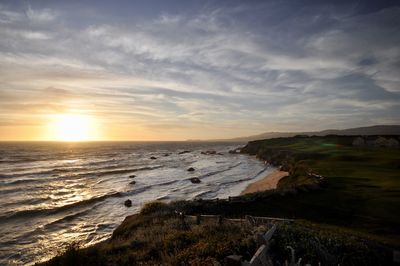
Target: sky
{"type": "Point", "coordinates": [177, 70]}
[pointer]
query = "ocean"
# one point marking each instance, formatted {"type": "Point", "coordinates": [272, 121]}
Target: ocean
{"type": "Point", "coordinates": [55, 193]}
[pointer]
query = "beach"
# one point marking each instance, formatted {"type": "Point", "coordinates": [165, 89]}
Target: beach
{"type": "Point", "coordinates": [267, 183]}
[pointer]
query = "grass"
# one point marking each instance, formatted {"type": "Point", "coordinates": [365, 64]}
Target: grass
{"type": "Point", "coordinates": [156, 236]}
{"type": "Point", "coordinates": [361, 186]}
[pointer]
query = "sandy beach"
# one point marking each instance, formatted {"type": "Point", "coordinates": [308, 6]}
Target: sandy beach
{"type": "Point", "coordinates": [267, 183]}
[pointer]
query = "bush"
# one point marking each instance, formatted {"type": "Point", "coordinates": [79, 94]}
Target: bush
{"type": "Point", "coordinates": [155, 207]}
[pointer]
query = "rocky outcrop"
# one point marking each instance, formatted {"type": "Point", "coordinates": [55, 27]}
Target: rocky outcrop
{"type": "Point", "coordinates": [195, 180]}
{"type": "Point", "coordinates": [153, 158]}
{"type": "Point", "coordinates": [209, 152]}
{"type": "Point", "coordinates": [301, 176]}
{"type": "Point", "coordinates": [128, 203]}
{"type": "Point", "coordinates": [237, 150]}
{"type": "Point", "coordinates": [190, 169]}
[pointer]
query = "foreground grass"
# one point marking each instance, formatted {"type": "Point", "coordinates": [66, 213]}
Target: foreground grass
{"type": "Point", "coordinates": [157, 236]}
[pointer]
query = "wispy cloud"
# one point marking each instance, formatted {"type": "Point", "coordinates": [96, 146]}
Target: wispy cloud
{"type": "Point", "coordinates": [272, 65]}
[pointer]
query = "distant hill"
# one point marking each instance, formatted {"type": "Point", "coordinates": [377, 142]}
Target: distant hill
{"type": "Point", "coordinates": [371, 130]}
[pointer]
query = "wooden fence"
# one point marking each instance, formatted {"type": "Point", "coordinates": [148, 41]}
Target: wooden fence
{"type": "Point", "coordinates": [260, 258]}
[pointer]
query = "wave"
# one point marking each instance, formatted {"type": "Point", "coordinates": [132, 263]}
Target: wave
{"type": "Point", "coordinates": [43, 172]}
{"type": "Point", "coordinates": [216, 172]}
{"type": "Point", "coordinates": [202, 193]}
{"type": "Point", "coordinates": [83, 203]}
{"type": "Point", "coordinates": [244, 179]}
{"type": "Point", "coordinates": [55, 210]}
{"type": "Point", "coordinates": [20, 159]}
{"type": "Point", "coordinates": [80, 175]}
{"type": "Point", "coordinates": [66, 218]}
{"type": "Point", "coordinates": [121, 171]}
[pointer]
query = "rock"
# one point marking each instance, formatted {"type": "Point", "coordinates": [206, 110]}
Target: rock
{"type": "Point", "coordinates": [132, 182]}
{"type": "Point", "coordinates": [166, 154]}
{"type": "Point", "coordinates": [195, 180]}
{"type": "Point", "coordinates": [128, 203]}
{"type": "Point", "coordinates": [132, 176]}
{"type": "Point", "coordinates": [220, 153]}
{"type": "Point", "coordinates": [153, 158]}
{"type": "Point", "coordinates": [183, 152]}
{"type": "Point", "coordinates": [209, 152]}
{"type": "Point", "coordinates": [237, 150]}
{"type": "Point", "coordinates": [190, 169]}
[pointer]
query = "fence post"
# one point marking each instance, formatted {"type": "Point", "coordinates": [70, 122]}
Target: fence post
{"type": "Point", "coordinates": [182, 219]}
{"type": "Point", "coordinates": [198, 219]}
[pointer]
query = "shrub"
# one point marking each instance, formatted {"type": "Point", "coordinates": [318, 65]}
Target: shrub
{"type": "Point", "coordinates": [155, 207]}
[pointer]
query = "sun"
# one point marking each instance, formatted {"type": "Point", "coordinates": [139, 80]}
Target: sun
{"type": "Point", "coordinates": [72, 127]}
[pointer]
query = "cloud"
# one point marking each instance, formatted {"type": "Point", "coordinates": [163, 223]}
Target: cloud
{"type": "Point", "coordinates": [271, 65]}
{"type": "Point", "coordinates": [41, 15]}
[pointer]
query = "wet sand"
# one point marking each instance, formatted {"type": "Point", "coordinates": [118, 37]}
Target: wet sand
{"type": "Point", "coordinates": [267, 183]}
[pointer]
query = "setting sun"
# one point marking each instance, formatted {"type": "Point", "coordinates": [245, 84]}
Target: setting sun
{"type": "Point", "coordinates": [72, 127]}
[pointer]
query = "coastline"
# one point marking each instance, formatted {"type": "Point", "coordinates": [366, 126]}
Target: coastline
{"type": "Point", "coordinates": [268, 182]}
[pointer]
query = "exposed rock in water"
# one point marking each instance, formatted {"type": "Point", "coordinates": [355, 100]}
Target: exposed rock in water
{"type": "Point", "coordinates": [128, 203]}
{"type": "Point", "coordinates": [183, 152]}
{"type": "Point", "coordinates": [237, 150]}
{"type": "Point", "coordinates": [132, 182]}
{"type": "Point", "coordinates": [195, 180]}
{"type": "Point", "coordinates": [132, 176]}
{"type": "Point", "coordinates": [190, 169]}
{"type": "Point", "coordinates": [153, 158]}
{"type": "Point", "coordinates": [209, 152]}
{"type": "Point", "coordinates": [166, 154]}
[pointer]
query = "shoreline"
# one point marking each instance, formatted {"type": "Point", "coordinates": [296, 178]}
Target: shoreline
{"type": "Point", "coordinates": [269, 182]}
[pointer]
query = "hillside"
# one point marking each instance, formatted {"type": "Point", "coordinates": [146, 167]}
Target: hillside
{"type": "Point", "coordinates": [370, 130]}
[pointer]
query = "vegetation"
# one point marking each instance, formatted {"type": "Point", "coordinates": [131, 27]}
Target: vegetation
{"type": "Point", "coordinates": [360, 188]}
{"type": "Point", "coordinates": [344, 198]}
{"type": "Point", "coordinates": [158, 236]}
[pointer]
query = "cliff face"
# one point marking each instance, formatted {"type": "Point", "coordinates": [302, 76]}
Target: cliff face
{"type": "Point", "coordinates": [301, 175]}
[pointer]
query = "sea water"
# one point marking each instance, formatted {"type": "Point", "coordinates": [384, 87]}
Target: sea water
{"type": "Point", "coordinates": [54, 193]}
